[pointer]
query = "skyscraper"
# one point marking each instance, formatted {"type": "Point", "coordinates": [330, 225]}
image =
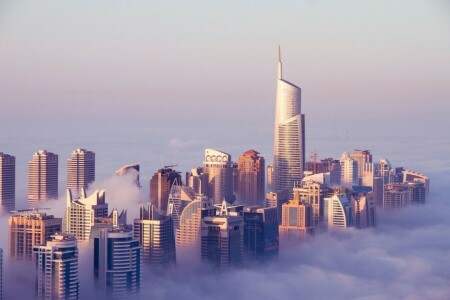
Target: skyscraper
{"type": "Point", "coordinates": [364, 210]}
{"type": "Point", "coordinates": [29, 229]}
{"type": "Point", "coordinates": [289, 139]}
{"type": "Point", "coordinates": [197, 180]}
{"type": "Point", "coordinates": [80, 170]}
{"type": "Point", "coordinates": [7, 182]}
{"type": "Point", "coordinates": [349, 170]}
{"type": "Point", "coordinates": [222, 237]}
{"type": "Point", "coordinates": [314, 194]}
{"type": "Point", "coordinates": [337, 211]}
{"type": "Point", "coordinates": [413, 176]}
{"type": "Point", "coordinates": [270, 178]}
{"type": "Point", "coordinates": [277, 200]}
{"type": "Point", "coordinates": [218, 167]}
{"type": "Point", "coordinates": [42, 176]}
{"type": "Point", "coordinates": [117, 261]}
{"type": "Point", "coordinates": [160, 185]}
{"type": "Point", "coordinates": [297, 220]}
{"type": "Point", "coordinates": [250, 181]}
{"type": "Point", "coordinates": [396, 195]}
{"type": "Point", "coordinates": [80, 214]}
{"type": "Point", "coordinates": [155, 233]}
{"type": "Point", "coordinates": [57, 268]}
{"type": "Point", "coordinates": [260, 231]}
{"type": "Point", "coordinates": [130, 170]}
{"type": "Point", "coordinates": [362, 157]}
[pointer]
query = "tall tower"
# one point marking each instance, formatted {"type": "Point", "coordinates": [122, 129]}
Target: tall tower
{"type": "Point", "coordinates": [29, 229]}
{"type": "Point", "coordinates": [57, 268]}
{"type": "Point", "coordinates": [7, 182]}
{"type": "Point", "coordinates": [349, 170]}
{"type": "Point", "coordinates": [250, 181]}
{"type": "Point", "coordinates": [289, 139]}
{"type": "Point", "coordinates": [80, 170]}
{"type": "Point", "coordinates": [218, 167]}
{"type": "Point", "coordinates": [42, 176]}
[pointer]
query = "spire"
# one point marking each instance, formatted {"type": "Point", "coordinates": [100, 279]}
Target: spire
{"type": "Point", "coordinates": [280, 67]}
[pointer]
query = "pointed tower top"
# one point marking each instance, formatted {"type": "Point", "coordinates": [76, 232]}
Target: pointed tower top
{"type": "Point", "coordinates": [280, 67]}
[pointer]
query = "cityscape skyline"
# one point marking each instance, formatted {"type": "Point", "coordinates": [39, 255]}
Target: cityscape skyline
{"type": "Point", "coordinates": [365, 98]}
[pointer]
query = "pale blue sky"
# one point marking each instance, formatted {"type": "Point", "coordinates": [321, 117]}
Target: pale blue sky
{"type": "Point", "coordinates": [135, 75]}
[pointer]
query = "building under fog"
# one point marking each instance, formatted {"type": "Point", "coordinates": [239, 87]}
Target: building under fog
{"type": "Point", "coordinates": [297, 220]}
{"type": "Point", "coordinates": [57, 268]}
{"type": "Point", "coordinates": [130, 170]}
{"type": "Point", "coordinates": [80, 171]}
{"type": "Point", "coordinates": [155, 233]}
{"type": "Point", "coordinates": [396, 195]}
{"type": "Point", "coordinates": [28, 229]}
{"type": "Point", "coordinates": [363, 207]}
{"type": "Point", "coordinates": [81, 213]}
{"type": "Point", "coordinates": [117, 261]}
{"type": "Point", "coordinates": [260, 231]}
{"type": "Point", "coordinates": [7, 182]}
{"type": "Point", "coordinates": [222, 236]}
{"type": "Point", "coordinates": [337, 211]}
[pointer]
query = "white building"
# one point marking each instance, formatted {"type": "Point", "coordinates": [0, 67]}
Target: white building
{"type": "Point", "coordinates": [289, 139]}
{"type": "Point", "coordinates": [349, 170]}
{"type": "Point", "coordinates": [337, 212]}
{"type": "Point", "coordinates": [80, 214]}
{"type": "Point", "coordinates": [57, 268]}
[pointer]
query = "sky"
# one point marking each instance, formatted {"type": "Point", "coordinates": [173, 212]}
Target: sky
{"type": "Point", "coordinates": [156, 82]}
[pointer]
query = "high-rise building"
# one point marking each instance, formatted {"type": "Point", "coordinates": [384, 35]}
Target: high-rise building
{"type": "Point", "coordinates": [155, 233]}
{"type": "Point", "coordinates": [270, 178]}
{"type": "Point", "coordinates": [314, 194]}
{"type": "Point", "coordinates": [412, 177]}
{"type": "Point", "coordinates": [57, 268]}
{"type": "Point", "coordinates": [27, 230]}
{"type": "Point", "coordinates": [349, 170]}
{"type": "Point", "coordinates": [383, 169]}
{"type": "Point", "coordinates": [219, 169]}
{"type": "Point", "coordinates": [277, 200]}
{"type": "Point", "coordinates": [361, 157]}
{"type": "Point", "coordinates": [160, 185]}
{"type": "Point", "coordinates": [222, 237]}
{"type": "Point", "coordinates": [130, 170]}
{"type": "Point", "coordinates": [378, 188]}
{"type": "Point", "coordinates": [289, 139]}
{"type": "Point", "coordinates": [260, 231]}
{"type": "Point", "coordinates": [337, 212]}
{"type": "Point", "coordinates": [81, 213]}
{"type": "Point", "coordinates": [179, 197]}
{"type": "Point", "coordinates": [42, 176]}
{"type": "Point", "coordinates": [297, 220]}
{"type": "Point", "coordinates": [417, 192]}
{"type": "Point", "coordinates": [364, 210]}
{"type": "Point", "coordinates": [396, 195]}
{"type": "Point", "coordinates": [250, 179]}
{"type": "Point", "coordinates": [197, 180]}
{"type": "Point", "coordinates": [117, 261]}
{"type": "Point", "coordinates": [7, 182]}
{"type": "Point", "coordinates": [80, 170]}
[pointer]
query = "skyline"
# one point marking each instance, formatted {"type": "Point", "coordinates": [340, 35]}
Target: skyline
{"type": "Point", "coordinates": [162, 83]}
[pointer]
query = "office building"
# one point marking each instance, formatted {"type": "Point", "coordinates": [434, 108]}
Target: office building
{"type": "Point", "coordinates": [277, 200]}
{"type": "Point", "coordinates": [117, 262]}
{"type": "Point", "coordinates": [260, 231]}
{"type": "Point", "coordinates": [197, 180]}
{"type": "Point", "coordinates": [222, 237]}
{"type": "Point", "coordinates": [337, 211]}
{"type": "Point", "coordinates": [362, 157]}
{"type": "Point", "coordinates": [297, 220]}
{"type": "Point", "coordinates": [364, 210]}
{"type": "Point", "coordinates": [42, 176]}
{"type": "Point", "coordinates": [7, 183]}
{"type": "Point", "coordinates": [378, 189]}
{"type": "Point", "coordinates": [155, 234]}
{"type": "Point", "coordinates": [417, 192]}
{"type": "Point", "coordinates": [396, 195]}
{"type": "Point", "coordinates": [218, 168]}
{"type": "Point", "coordinates": [383, 169]}
{"type": "Point", "coordinates": [314, 194]}
{"type": "Point", "coordinates": [132, 170]}
{"type": "Point", "coordinates": [412, 177]}
{"type": "Point", "coordinates": [28, 229]}
{"type": "Point", "coordinates": [289, 139]}
{"type": "Point", "coordinates": [81, 213]}
{"type": "Point", "coordinates": [349, 170]}
{"type": "Point", "coordinates": [57, 268]}
{"type": "Point", "coordinates": [80, 171]}
{"type": "Point", "coordinates": [250, 188]}
{"type": "Point", "coordinates": [160, 185]}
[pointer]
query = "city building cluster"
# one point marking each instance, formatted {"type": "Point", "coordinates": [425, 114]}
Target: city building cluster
{"type": "Point", "coordinates": [224, 213]}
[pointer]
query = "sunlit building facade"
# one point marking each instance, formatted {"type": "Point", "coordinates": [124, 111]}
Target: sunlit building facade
{"type": "Point", "coordinates": [250, 187]}
{"type": "Point", "coordinates": [219, 169]}
{"type": "Point", "coordinates": [160, 185]}
{"type": "Point", "coordinates": [42, 176]}
{"type": "Point", "coordinates": [80, 171]}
